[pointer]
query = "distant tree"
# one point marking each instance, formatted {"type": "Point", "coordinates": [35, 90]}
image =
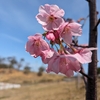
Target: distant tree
{"type": "Point", "coordinates": [98, 71]}
{"type": "Point", "coordinates": [12, 61]}
{"type": "Point", "coordinates": [19, 64]}
{"type": "Point", "coordinates": [3, 66]}
{"type": "Point", "coordinates": [41, 70]}
{"type": "Point", "coordinates": [2, 63]}
{"type": "Point", "coordinates": [27, 69]}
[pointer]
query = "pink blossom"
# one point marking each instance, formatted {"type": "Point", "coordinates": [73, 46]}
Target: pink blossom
{"type": "Point", "coordinates": [36, 45]}
{"type": "Point", "coordinates": [83, 55]}
{"type": "Point", "coordinates": [69, 30]}
{"type": "Point", "coordinates": [50, 36]}
{"type": "Point", "coordinates": [53, 36]}
{"type": "Point", "coordinates": [63, 64]}
{"type": "Point", "coordinates": [47, 55]}
{"type": "Point", "coordinates": [50, 17]}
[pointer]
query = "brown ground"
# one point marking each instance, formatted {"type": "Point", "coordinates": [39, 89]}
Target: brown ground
{"type": "Point", "coordinates": [46, 87]}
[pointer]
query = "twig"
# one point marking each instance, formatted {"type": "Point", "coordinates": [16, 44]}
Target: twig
{"type": "Point", "coordinates": [80, 46]}
{"type": "Point", "coordinates": [85, 21]}
{"type": "Point", "coordinates": [85, 74]}
{"type": "Point", "coordinates": [84, 78]}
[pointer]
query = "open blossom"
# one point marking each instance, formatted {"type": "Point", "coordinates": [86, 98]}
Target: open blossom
{"type": "Point", "coordinates": [47, 55]}
{"type": "Point", "coordinates": [69, 30]}
{"type": "Point", "coordinates": [83, 55]}
{"type": "Point", "coordinates": [66, 59]}
{"type": "Point", "coordinates": [50, 17]}
{"type": "Point", "coordinates": [36, 45]}
{"type": "Point", "coordinates": [63, 64]}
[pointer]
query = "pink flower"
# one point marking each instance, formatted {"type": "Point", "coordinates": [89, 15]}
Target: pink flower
{"type": "Point", "coordinates": [53, 36]}
{"type": "Point", "coordinates": [47, 55]}
{"type": "Point", "coordinates": [69, 30]}
{"type": "Point", "coordinates": [84, 55]}
{"type": "Point", "coordinates": [50, 36]}
{"type": "Point", "coordinates": [63, 64]}
{"type": "Point", "coordinates": [36, 45]}
{"type": "Point", "coordinates": [50, 17]}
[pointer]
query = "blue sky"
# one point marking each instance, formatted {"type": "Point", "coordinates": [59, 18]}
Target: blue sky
{"type": "Point", "coordinates": [17, 22]}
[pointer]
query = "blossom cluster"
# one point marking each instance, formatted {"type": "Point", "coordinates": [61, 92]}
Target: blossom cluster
{"type": "Point", "coordinates": [60, 55]}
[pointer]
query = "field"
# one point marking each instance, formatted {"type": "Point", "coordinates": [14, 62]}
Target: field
{"type": "Point", "coordinates": [45, 87]}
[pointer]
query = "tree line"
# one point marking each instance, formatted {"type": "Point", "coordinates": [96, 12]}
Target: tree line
{"type": "Point", "coordinates": [12, 63]}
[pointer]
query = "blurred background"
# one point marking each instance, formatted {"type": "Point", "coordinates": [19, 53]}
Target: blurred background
{"type": "Point", "coordinates": [17, 22]}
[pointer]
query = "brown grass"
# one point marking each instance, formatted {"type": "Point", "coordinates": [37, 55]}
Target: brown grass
{"type": "Point", "coordinates": [46, 87]}
{"type": "Point", "coordinates": [32, 77]}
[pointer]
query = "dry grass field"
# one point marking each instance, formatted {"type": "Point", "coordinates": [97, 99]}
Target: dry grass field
{"type": "Point", "coordinates": [45, 87]}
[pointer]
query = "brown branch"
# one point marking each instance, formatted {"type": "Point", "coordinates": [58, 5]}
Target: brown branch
{"type": "Point", "coordinates": [84, 78]}
{"type": "Point", "coordinates": [80, 46]}
{"type": "Point", "coordinates": [88, 0]}
{"type": "Point", "coordinates": [85, 21]}
{"type": "Point", "coordinates": [98, 22]}
{"type": "Point", "coordinates": [89, 77]}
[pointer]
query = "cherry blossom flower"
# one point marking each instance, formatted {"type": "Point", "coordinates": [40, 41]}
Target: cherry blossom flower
{"type": "Point", "coordinates": [50, 17]}
{"type": "Point", "coordinates": [36, 45]}
{"type": "Point", "coordinates": [69, 30]}
{"type": "Point", "coordinates": [66, 58]}
{"type": "Point", "coordinates": [47, 55]}
{"type": "Point", "coordinates": [50, 36]}
{"type": "Point", "coordinates": [63, 64]}
{"type": "Point", "coordinates": [83, 55]}
{"type": "Point", "coordinates": [53, 36]}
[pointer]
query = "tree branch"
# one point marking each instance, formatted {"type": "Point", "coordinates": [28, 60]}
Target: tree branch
{"type": "Point", "coordinates": [88, 0]}
{"type": "Point", "coordinates": [85, 21]}
{"type": "Point", "coordinates": [98, 22]}
{"type": "Point", "coordinates": [81, 71]}
{"type": "Point", "coordinates": [84, 78]}
{"type": "Point", "coordinates": [83, 46]}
